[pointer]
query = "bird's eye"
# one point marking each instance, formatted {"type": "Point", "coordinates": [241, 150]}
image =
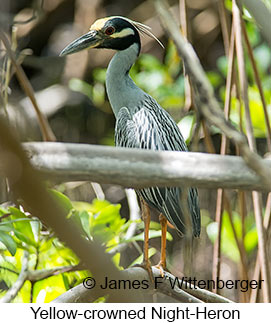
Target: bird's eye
{"type": "Point", "coordinates": [110, 30]}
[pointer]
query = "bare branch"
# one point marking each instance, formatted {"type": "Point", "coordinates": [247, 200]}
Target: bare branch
{"type": "Point", "coordinates": [36, 13]}
{"type": "Point", "coordinates": [77, 294]}
{"type": "Point", "coordinates": [188, 294]}
{"type": "Point", "coordinates": [137, 168]}
{"type": "Point", "coordinates": [45, 128]}
{"type": "Point", "coordinates": [97, 188]}
{"type": "Point", "coordinates": [259, 85]}
{"type": "Point", "coordinates": [134, 215]}
{"type": "Point", "coordinates": [13, 291]}
{"type": "Point", "coordinates": [36, 275]}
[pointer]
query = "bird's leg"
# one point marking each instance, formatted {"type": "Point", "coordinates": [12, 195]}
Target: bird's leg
{"type": "Point", "coordinates": [146, 219]}
{"type": "Point", "coordinates": [162, 263]}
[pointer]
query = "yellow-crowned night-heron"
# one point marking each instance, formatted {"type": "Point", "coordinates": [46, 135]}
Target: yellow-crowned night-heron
{"type": "Point", "coordinates": [140, 121]}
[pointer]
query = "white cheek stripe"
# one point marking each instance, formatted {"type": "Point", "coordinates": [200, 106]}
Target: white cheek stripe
{"type": "Point", "coordinates": [125, 32]}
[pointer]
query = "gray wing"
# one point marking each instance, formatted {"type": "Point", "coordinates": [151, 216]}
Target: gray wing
{"type": "Point", "coordinates": [151, 127]}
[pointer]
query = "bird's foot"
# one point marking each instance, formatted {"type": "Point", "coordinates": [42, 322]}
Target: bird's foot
{"type": "Point", "coordinates": [147, 266]}
{"type": "Point", "coordinates": [161, 267]}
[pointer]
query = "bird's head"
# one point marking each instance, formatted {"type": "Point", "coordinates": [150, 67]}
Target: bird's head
{"type": "Point", "coordinates": [116, 32]}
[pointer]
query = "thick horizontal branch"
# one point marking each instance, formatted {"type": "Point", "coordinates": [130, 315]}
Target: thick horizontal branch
{"type": "Point", "coordinates": [166, 286]}
{"type": "Point", "coordinates": [137, 168]}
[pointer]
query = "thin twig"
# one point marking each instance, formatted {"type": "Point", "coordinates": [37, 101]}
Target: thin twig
{"type": "Point", "coordinates": [257, 270]}
{"type": "Point", "coordinates": [224, 21]}
{"type": "Point", "coordinates": [10, 270]}
{"type": "Point", "coordinates": [2, 217]}
{"type": "Point", "coordinates": [207, 138]}
{"type": "Point", "coordinates": [223, 150]}
{"type": "Point", "coordinates": [134, 216]}
{"type": "Point", "coordinates": [97, 188]}
{"type": "Point", "coordinates": [240, 246]}
{"type": "Point", "coordinates": [217, 243]}
{"type": "Point", "coordinates": [184, 29]}
{"type": "Point", "coordinates": [256, 197]}
{"type": "Point", "coordinates": [45, 128]}
{"type": "Point", "coordinates": [259, 85]}
{"type": "Point", "coordinates": [35, 14]}
{"type": "Point", "coordinates": [40, 274]}
{"type": "Point", "coordinates": [242, 74]}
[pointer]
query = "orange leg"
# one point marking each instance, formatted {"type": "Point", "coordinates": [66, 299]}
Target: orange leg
{"type": "Point", "coordinates": [162, 263]}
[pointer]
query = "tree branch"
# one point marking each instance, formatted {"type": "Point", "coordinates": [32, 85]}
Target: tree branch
{"type": "Point", "coordinates": [188, 294]}
{"type": "Point", "coordinates": [134, 215]}
{"type": "Point", "coordinates": [45, 128]}
{"type": "Point", "coordinates": [13, 291]}
{"type": "Point", "coordinates": [36, 275]}
{"type": "Point", "coordinates": [141, 168]}
{"type": "Point", "coordinates": [205, 100]}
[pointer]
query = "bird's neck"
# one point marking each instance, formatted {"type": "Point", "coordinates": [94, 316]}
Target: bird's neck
{"type": "Point", "coordinates": [121, 90]}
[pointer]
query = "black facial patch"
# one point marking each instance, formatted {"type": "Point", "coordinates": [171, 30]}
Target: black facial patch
{"type": "Point", "coordinates": [121, 43]}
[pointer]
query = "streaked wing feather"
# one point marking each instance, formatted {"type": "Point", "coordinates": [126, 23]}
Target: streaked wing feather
{"type": "Point", "coordinates": [151, 127]}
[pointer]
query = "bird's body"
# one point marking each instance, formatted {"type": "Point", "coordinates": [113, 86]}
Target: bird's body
{"type": "Point", "coordinates": [140, 121]}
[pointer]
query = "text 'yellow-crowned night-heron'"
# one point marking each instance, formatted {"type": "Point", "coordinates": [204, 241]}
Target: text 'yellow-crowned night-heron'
{"type": "Point", "coordinates": [140, 122]}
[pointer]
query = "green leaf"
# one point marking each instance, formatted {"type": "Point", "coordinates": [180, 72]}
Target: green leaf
{"type": "Point", "coordinates": [214, 78]}
{"type": "Point", "coordinates": [5, 227]}
{"type": "Point", "coordinates": [82, 206]}
{"type": "Point", "coordinates": [251, 239]}
{"type": "Point", "coordinates": [222, 64]}
{"type": "Point", "coordinates": [100, 219]}
{"type": "Point", "coordinates": [84, 217]}
{"type": "Point", "coordinates": [9, 243]}
{"type": "Point", "coordinates": [78, 85]}
{"type": "Point", "coordinates": [139, 260]}
{"type": "Point", "coordinates": [228, 243]}
{"type": "Point", "coordinates": [212, 231]}
{"type": "Point", "coordinates": [3, 211]}
{"type": "Point", "coordinates": [65, 281]}
{"type": "Point", "coordinates": [116, 260]}
{"type": "Point", "coordinates": [106, 221]}
{"type": "Point", "coordinates": [36, 226]}
{"type": "Point", "coordinates": [263, 57]}
{"type": "Point", "coordinates": [63, 200]}
{"type": "Point", "coordinates": [22, 229]}
{"type": "Point", "coordinates": [99, 75]}
{"type": "Point", "coordinates": [186, 125]}
{"type": "Point", "coordinates": [257, 113]}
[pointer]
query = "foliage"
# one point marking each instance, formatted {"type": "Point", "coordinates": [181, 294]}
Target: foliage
{"type": "Point", "coordinates": [228, 242]}
{"type": "Point", "coordinates": [19, 231]}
